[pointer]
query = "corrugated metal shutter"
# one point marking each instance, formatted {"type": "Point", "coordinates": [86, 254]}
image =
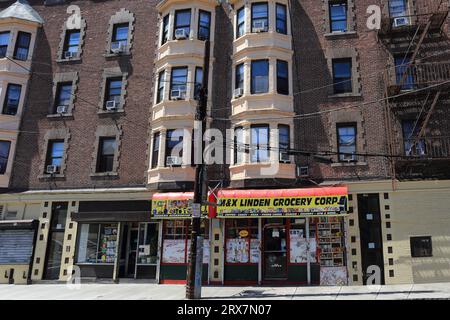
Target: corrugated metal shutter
{"type": "Point", "coordinates": [16, 246]}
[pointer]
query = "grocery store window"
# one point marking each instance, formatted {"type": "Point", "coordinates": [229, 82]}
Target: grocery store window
{"type": "Point", "coordinates": [241, 241]}
{"type": "Point", "coordinates": [421, 247]}
{"type": "Point", "coordinates": [97, 243]}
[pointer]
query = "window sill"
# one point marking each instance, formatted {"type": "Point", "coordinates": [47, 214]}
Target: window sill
{"type": "Point", "coordinates": [106, 112]}
{"type": "Point", "coordinates": [341, 35]}
{"type": "Point", "coordinates": [51, 176]}
{"type": "Point", "coordinates": [68, 115]}
{"type": "Point", "coordinates": [345, 95]}
{"type": "Point", "coordinates": [68, 60]}
{"type": "Point", "coordinates": [113, 55]}
{"type": "Point", "coordinates": [349, 164]}
{"type": "Point", "coordinates": [104, 174]}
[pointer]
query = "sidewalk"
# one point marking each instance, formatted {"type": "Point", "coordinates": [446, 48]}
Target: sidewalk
{"type": "Point", "coordinates": [177, 292]}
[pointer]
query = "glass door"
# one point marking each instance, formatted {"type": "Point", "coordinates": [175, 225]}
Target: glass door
{"type": "Point", "coordinates": [275, 252]}
{"type": "Point", "coordinates": [147, 250]}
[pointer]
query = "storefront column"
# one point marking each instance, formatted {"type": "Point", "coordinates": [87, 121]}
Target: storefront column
{"type": "Point", "coordinates": [308, 257]}
{"type": "Point", "coordinates": [260, 251]}
{"type": "Point", "coordinates": [118, 249]}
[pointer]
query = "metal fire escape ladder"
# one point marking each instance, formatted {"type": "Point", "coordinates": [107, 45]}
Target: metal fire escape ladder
{"type": "Point", "coordinates": [427, 117]}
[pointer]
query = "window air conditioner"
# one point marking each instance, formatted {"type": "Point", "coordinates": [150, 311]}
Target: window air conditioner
{"type": "Point", "coordinates": [70, 54]}
{"type": "Point", "coordinates": [173, 161]}
{"type": "Point", "coordinates": [52, 169]}
{"type": "Point", "coordinates": [118, 46]}
{"type": "Point", "coordinates": [238, 92]}
{"type": "Point", "coordinates": [284, 157]}
{"type": "Point", "coordinates": [302, 171]}
{"type": "Point", "coordinates": [259, 26]}
{"type": "Point", "coordinates": [400, 22]}
{"type": "Point", "coordinates": [61, 109]}
{"type": "Point", "coordinates": [111, 105]}
{"type": "Point", "coordinates": [180, 34]}
{"type": "Point", "coordinates": [348, 157]}
{"type": "Point", "coordinates": [178, 94]}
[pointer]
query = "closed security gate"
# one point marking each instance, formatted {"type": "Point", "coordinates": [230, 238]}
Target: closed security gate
{"type": "Point", "coordinates": [16, 246]}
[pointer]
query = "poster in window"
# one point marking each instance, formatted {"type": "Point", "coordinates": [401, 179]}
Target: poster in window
{"type": "Point", "coordinates": [174, 251]}
{"type": "Point", "coordinates": [254, 250]}
{"type": "Point", "coordinates": [237, 251]}
{"type": "Point", "coordinates": [298, 246]}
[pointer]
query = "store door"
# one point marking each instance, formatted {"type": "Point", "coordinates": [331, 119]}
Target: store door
{"type": "Point", "coordinates": [129, 250]}
{"type": "Point", "coordinates": [275, 252]}
{"type": "Point", "coordinates": [370, 235]}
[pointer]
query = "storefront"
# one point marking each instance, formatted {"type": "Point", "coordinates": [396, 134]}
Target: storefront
{"type": "Point", "coordinates": [174, 210]}
{"type": "Point", "coordinates": [289, 236]}
{"type": "Point", "coordinates": [116, 239]}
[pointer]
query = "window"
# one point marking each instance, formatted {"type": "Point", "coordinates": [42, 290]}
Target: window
{"type": "Point", "coordinates": [342, 76]}
{"type": "Point", "coordinates": [412, 147]}
{"type": "Point", "coordinates": [281, 18]}
{"type": "Point", "coordinates": [282, 77]}
{"type": "Point", "coordinates": [106, 151]}
{"type": "Point", "coordinates": [174, 146]}
{"type": "Point", "coordinates": [260, 76]}
{"type": "Point", "coordinates": [260, 17]}
{"type": "Point", "coordinates": [155, 151]}
{"type": "Point", "coordinates": [4, 155]}
{"type": "Point", "coordinates": [239, 145]}
{"type": "Point", "coordinates": [12, 99]}
{"type": "Point", "coordinates": [71, 42]}
{"type": "Point", "coordinates": [97, 243]}
{"type": "Point", "coordinates": [63, 94]}
{"type": "Point", "coordinates": [204, 25]}
{"type": "Point", "coordinates": [241, 241]}
{"type": "Point", "coordinates": [240, 25]}
{"type": "Point", "coordinates": [260, 143]}
{"type": "Point", "coordinates": [404, 72]}
{"type": "Point", "coordinates": [398, 8]}
{"type": "Point", "coordinates": [120, 35]}
{"type": "Point", "coordinates": [113, 90]}
{"type": "Point", "coordinates": [421, 247]}
{"type": "Point", "coordinates": [22, 46]}
{"type": "Point", "coordinates": [198, 82]}
{"type": "Point", "coordinates": [161, 86]}
{"type": "Point", "coordinates": [178, 81]}
{"type": "Point", "coordinates": [183, 22]}
{"type": "Point", "coordinates": [239, 76]}
{"type": "Point", "coordinates": [4, 42]}
{"type": "Point", "coordinates": [283, 139]}
{"type": "Point", "coordinates": [55, 152]}
{"type": "Point", "coordinates": [346, 135]}
{"type": "Point", "coordinates": [338, 16]}
{"type": "Point", "coordinates": [165, 30]}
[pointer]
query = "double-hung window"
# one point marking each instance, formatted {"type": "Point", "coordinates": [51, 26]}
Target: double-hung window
{"type": "Point", "coordinates": [4, 42]}
{"type": "Point", "coordinates": [12, 99]}
{"type": "Point", "coordinates": [55, 154]}
{"type": "Point", "coordinates": [282, 77]}
{"type": "Point", "coordinates": [260, 76]}
{"type": "Point", "coordinates": [346, 134]}
{"type": "Point", "coordinates": [161, 86]}
{"type": "Point", "coordinates": [120, 36]}
{"type": "Point", "coordinates": [239, 145]}
{"type": "Point", "coordinates": [259, 143]}
{"type": "Point", "coordinates": [204, 25]}
{"type": "Point", "coordinates": [174, 147]}
{"type": "Point", "coordinates": [239, 81]}
{"type": "Point", "coordinates": [155, 150]}
{"type": "Point", "coordinates": [240, 22]}
{"type": "Point", "coordinates": [198, 82]}
{"type": "Point", "coordinates": [178, 82]}
{"type": "Point", "coordinates": [4, 155]}
{"type": "Point", "coordinates": [398, 8]}
{"type": "Point", "coordinates": [106, 152]}
{"type": "Point", "coordinates": [281, 13]}
{"type": "Point", "coordinates": [63, 94]}
{"type": "Point", "coordinates": [342, 75]}
{"type": "Point", "coordinates": [283, 141]}
{"type": "Point", "coordinates": [71, 43]}
{"type": "Point", "coordinates": [113, 90]}
{"type": "Point", "coordinates": [260, 17]}
{"type": "Point", "coordinates": [22, 48]}
{"type": "Point", "coordinates": [165, 30]}
{"type": "Point", "coordinates": [338, 16]}
{"type": "Point", "coordinates": [404, 72]}
{"type": "Point", "coordinates": [182, 22]}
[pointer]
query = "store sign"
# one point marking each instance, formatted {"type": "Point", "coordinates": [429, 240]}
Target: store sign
{"type": "Point", "coordinates": [171, 206]}
{"type": "Point", "coordinates": [327, 205]}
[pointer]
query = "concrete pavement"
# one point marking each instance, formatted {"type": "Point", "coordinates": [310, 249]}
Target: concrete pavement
{"type": "Point", "coordinates": [97, 291]}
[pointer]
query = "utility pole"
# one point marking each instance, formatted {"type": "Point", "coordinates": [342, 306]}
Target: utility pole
{"type": "Point", "coordinates": [195, 263]}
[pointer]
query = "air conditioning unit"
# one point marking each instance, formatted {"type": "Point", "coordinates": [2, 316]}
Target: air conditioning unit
{"type": "Point", "coordinates": [400, 22]}
{"type": "Point", "coordinates": [348, 157]}
{"type": "Point", "coordinates": [70, 54]}
{"type": "Point", "coordinates": [302, 171]}
{"type": "Point", "coordinates": [180, 34]}
{"type": "Point", "coordinates": [173, 161]}
{"type": "Point", "coordinates": [118, 46]}
{"type": "Point", "coordinates": [178, 94]}
{"type": "Point", "coordinates": [52, 169]}
{"type": "Point", "coordinates": [61, 109]}
{"type": "Point", "coordinates": [284, 157]}
{"type": "Point", "coordinates": [111, 105]}
{"type": "Point", "coordinates": [259, 26]}
{"type": "Point", "coordinates": [238, 92]}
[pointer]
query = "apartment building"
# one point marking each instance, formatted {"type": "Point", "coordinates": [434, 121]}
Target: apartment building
{"type": "Point", "coordinates": [351, 116]}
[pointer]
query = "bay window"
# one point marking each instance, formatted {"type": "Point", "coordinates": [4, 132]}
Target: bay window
{"type": "Point", "coordinates": [239, 145]}
{"type": "Point", "coordinates": [282, 77]}
{"type": "Point", "coordinates": [161, 86]}
{"type": "Point", "coordinates": [4, 42]}
{"type": "Point", "coordinates": [182, 23]}
{"type": "Point", "coordinates": [240, 23]}
{"type": "Point", "coordinates": [281, 14]}
{"type": "Point", "coordinates": [155, 150]}
{"type": "Point", "coordinates": [178, 82]}
{"type": "Point", "coordinates": [22, 48]}
{"type": "Point", "coordinates": [4, 155]}
{"type": "Point", "coordinates": [260, 76]}
{"type": "Point", "coordinates": [12, 99]}
{"type": "Point", "coordinates": [283, 142]}
{"type": "Point", "coordinates": [165, 30]}
{"type": "Point", "coordinates": [260, 17]}
{"type": "Point", "coordinates": [259, 143]}
{"type": "Point", "coordinates": [204, 25]}
{"type": "Point", "coordinates": [174, 147]}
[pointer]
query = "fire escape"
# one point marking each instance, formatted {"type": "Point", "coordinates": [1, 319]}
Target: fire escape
{"type": "Point", "coordinates": [417, 88]}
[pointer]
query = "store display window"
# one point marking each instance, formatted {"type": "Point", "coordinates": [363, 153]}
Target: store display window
{"type": "Point", "coordinates": [242, 241]}
{"type": "Point", "coordinates": [300, 244]}
{"type": "Point", "coordinates": [331, 241]}
{"type": "Point", "coordinates": [176, 241]}
{"type": "Point", "coordinates": [97, 243]}
{"type": "Point", "coordinates": [148, 244]}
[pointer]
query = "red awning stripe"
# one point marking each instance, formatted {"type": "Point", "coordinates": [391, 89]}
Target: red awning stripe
{"type": "Point", "coordinates": [280, 193]}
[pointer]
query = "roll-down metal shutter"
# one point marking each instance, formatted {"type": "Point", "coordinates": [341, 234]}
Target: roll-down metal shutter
{"type": "Point", "coordinates": [16, 246]}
